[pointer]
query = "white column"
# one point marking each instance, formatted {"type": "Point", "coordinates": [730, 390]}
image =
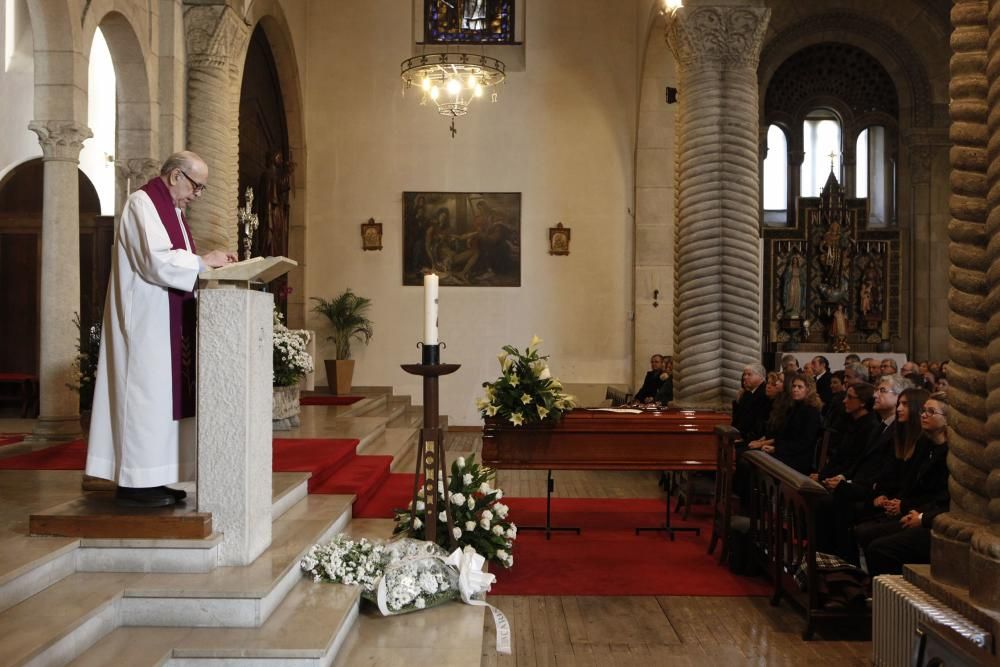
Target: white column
{"type": "Point", "coordinates": [59, 413]}
{"type": "Point", "coordinates": [234, 418]}
{"type": "Point", "coordinates": [717, 289]}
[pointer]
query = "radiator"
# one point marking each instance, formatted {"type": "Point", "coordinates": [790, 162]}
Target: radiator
{"type": "Point", "coordinates": [897, 607]}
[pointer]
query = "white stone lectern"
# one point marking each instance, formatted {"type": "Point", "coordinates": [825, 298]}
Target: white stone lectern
{"type": "Point", "coordinates": [235, 326]}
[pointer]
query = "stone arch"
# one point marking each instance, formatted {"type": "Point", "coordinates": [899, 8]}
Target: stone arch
{"type": "Point", "coordinates": [893, 51]}
{"type": "Point", "coordinates": [271, 18]}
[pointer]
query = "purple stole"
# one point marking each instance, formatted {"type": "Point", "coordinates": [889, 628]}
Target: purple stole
{"type": "Point", "coordinates": [183, 305]}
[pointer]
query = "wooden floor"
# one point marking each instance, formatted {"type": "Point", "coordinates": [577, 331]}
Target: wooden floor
{"type": "Point", "coordinates": [647, 631]}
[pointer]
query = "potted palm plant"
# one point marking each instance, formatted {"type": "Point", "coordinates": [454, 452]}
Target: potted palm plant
{"type": "Point", "coordinates": [347, 313]}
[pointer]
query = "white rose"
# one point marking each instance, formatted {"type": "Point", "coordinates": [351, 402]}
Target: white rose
{"type": "Point", "coordinates": [460, 462]}
{"type": "Point", "coordinates": [457, 532]}
{"type": "Point", "coordinates": [457, 499]}
{"type": "Point", "coordinates": [467, 479]}
{"type": "Point", "coordinates": [499, 494]}
{"type": "Point", "coordinates": [498, 530]}
{"type": "Point", "coordinates": [442, 516]}
{"type": "Point", "coordinates": [488, 515]}
{"type": "Point", "coordinates": [421, 506]}
{"type": "Point", "coordinates": [470, 526]}
{"type": "Point", "coordinates": [485, 489]}
{"type": "Point", "coordinates": [417, 523]}
{"type": "Point", "coordinates": [485, 523]}
{"type": "Point", "coordinates": [510, 534]}
{"type": "Point", "coordinates": [501, 510]}
{"type": "Point", "coordinates": [501, 554]}
{"type": "Point", "coordinates": [471, 503]}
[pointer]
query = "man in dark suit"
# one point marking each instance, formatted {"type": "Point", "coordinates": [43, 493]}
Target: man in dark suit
{"type": "Point", "coordinates": [821, 372]}
{"type": "Point", "coordinates": [651, 383]}
{"type": "Point", "coordinates": [752, 408]}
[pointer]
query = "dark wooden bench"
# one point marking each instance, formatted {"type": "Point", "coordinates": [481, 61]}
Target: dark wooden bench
{"type": "Point", "coordinates": [723, 502]}
{"type": "Point", "coordinates": [27, 394]}
{"type": "Point", "coordinates": [783, 536]}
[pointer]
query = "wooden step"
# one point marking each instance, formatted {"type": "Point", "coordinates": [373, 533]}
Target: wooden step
{"type": "Point", "coordinates": [97, 515]}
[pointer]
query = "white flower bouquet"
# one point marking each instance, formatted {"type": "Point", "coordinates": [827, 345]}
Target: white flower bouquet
{"type": "Point", "coordinates": [406, 575]}
{"type": "Point", "coordinates": [525, 392]}
{"type": "Point", "coordinates": [479, 518]}
{"type": "Point", "coordinates": [399, 576]}
{"type": "Point", "coordinates": [291, 359]}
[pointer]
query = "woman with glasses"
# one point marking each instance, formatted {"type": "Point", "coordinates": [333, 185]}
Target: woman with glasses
{"type": "Point", "coordinates": [923, 483]}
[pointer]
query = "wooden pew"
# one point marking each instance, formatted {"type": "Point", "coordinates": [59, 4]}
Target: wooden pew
{"type": "Point", "coordinates": [783, 536]}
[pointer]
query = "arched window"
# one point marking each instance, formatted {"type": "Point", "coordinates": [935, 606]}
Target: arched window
{"type": "Point", "coordinates": [776, 177]}
{"type": "Point", "coordinates": [821, 145]}
{"type": "Point", "coordinates": [875, 176]}
{"type": "Point", "coordinates": [98, 154]}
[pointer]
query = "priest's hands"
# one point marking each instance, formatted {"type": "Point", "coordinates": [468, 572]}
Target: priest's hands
{"type": "Point", "coordinates": [217, 258]}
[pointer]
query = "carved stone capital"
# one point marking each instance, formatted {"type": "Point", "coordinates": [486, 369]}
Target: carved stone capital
{"type": "Point", "coordinates": [216, 36]}
{"type": "Point", "coordinates": [60, 139]}
{"type": "Point", "coordinates": [137, 171]}
{"type": "Point", "coordinates": [719, 36]}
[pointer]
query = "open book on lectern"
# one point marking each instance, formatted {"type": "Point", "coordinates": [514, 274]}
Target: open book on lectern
{"type": "Point", "coordinates": [255, 269]}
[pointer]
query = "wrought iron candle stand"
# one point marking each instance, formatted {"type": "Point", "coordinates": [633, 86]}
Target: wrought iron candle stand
{"type": "Point", "coordinates": [431, 464]}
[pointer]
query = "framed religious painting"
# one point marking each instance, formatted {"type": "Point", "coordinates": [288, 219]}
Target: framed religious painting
{"type": "Point", "coordinates": [559, 240]}
{"type": "Point", "coordinates": [469, 239]}
{"type": "Point", "coordinates": [371, 235]}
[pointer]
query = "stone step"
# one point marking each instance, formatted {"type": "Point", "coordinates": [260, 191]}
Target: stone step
{"type": "Point", "coordinates": [400, 444]}
{"type": "Point", "coordinates": [307, 629]}
{"type": "Point", "coordinates": [83, 607]}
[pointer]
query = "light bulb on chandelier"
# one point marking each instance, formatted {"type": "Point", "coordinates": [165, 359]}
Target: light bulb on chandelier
{"type": "Point", "coordinates": [464, 76]}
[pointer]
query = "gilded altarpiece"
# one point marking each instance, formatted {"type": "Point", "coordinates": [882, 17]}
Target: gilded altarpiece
{"type": "Point", "coordinates": [831, 282]}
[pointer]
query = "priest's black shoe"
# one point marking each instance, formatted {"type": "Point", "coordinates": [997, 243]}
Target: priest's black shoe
{"type": "Point", "coordinates": [178, 494]}
{"type": "Point", "coordinates": [156, 496]}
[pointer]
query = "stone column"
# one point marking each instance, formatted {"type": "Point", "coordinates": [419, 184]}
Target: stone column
{"type": "Point", "coordinates": [968, 320]}
{"type": "Point", "coordinates": [59, 413]}
{"type": "Point", "coordinates": [717, 265]}
{"type": "Point", "coordinates": [216, 47]}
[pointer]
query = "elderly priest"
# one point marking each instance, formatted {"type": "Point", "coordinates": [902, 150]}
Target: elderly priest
{"type": "Point", "coordinates": [140, 434]}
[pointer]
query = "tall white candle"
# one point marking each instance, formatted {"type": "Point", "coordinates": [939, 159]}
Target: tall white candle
{"type": "Point", "coordinates": [430, 309]}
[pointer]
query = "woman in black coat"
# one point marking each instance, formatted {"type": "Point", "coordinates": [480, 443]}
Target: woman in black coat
{"type": "Point", "coordinates": [794, 426]}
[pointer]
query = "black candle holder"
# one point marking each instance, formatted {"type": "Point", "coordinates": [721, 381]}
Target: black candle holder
{"type": "Point", "coordinates": [430, 448]}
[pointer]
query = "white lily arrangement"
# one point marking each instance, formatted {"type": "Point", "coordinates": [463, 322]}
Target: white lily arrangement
{"type": "Point", "coordinates": [525, 392]}
{"type": "Point", "coordinates": [479, 519]}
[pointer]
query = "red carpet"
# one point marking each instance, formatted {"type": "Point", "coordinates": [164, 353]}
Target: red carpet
{"type": "Point", "coordinates": [70, 456]}
{"type": "Point", "coordinates": [395, 493]}
{"type": "Point", "coordinates": [362, 476]}
{"type": "Point", "coordinates": [608, 558]}
{"type": "Point", "coordinates": [321, 457]}
{"type": "Point", "coordinates": [11, 438]}
{"type": "Point", "coordinates": [322, 399]}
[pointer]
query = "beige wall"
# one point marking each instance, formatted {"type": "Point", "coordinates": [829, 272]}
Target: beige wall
{"type": "Point", "coordinates": [562, 134]}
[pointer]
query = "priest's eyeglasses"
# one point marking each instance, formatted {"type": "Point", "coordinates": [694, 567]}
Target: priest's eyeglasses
{"type": "Point", "coordinates": [198, 187]}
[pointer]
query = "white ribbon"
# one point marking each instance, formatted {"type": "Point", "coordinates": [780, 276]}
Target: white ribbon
{"type": "Point", "coordinates": [471, 581]}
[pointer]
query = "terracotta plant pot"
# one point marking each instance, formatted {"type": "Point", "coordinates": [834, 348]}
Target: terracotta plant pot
{"type": "Point", "coordinates": [339, 373]}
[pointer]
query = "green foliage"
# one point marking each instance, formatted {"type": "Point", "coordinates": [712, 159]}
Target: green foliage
{"type": "Point", "coordinates": [83, 371]}
{"type": "Point", "coordinates": [525, 392]}
{"type": "Point", "coordinates": [347, 313]}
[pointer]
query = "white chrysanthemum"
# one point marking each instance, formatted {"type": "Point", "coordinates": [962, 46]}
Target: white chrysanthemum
{"type": "Point", "coordinates": [419, 603]}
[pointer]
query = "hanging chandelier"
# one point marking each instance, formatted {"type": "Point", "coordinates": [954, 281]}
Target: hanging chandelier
{"type": "Point", "coordinates": [452, 80]}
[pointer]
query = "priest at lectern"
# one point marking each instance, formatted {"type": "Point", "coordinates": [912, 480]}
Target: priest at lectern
{"type": "Point", "coordinates": [140, 433]}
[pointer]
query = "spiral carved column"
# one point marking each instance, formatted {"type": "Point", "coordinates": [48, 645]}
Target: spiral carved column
{"type": "Point", "coordinates": [717, 272]}
{"type": "Point", "coordinates": [968, 322]}
{"type": "Point", "coordinates": [216, 47]}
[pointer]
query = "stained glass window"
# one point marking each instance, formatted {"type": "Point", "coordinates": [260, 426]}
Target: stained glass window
{"type": "Point", "coordinates": [469, 21]}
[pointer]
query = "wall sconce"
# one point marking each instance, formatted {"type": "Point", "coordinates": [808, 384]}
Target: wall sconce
{"type": "Point", "coordinates": [656, 297]}
{"type": "Point", "coordinates": [371, 235]}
